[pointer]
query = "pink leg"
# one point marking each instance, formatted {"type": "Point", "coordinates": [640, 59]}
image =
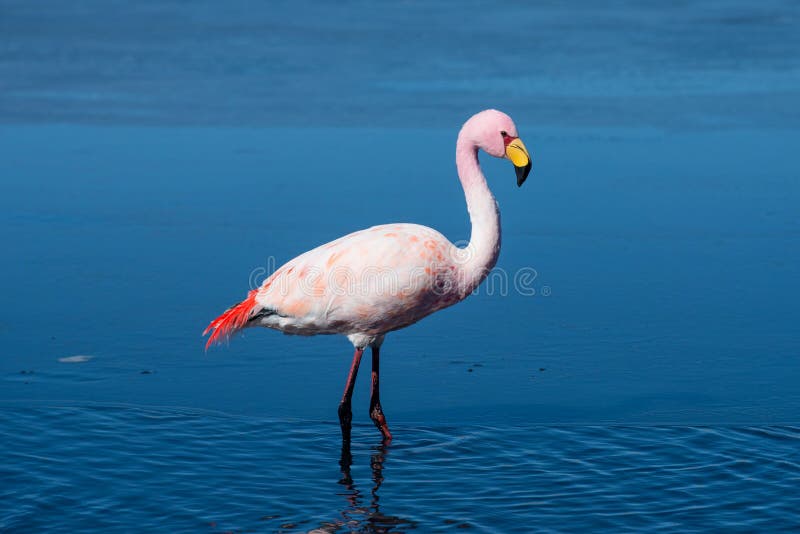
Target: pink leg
{"type": "Point", "coordinates": [375, 410]}
{"type": "Point", "coordinates": [345, 412]}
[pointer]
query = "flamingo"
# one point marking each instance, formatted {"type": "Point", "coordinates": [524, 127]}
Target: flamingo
{"type": "Point", "coordinates": [387, 277]}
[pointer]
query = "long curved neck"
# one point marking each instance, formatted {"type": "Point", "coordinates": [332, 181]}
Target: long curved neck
{"type": "Point", "coordinates": [480, 256]}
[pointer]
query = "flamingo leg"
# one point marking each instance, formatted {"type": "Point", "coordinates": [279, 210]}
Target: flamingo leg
{"type": "Point", "coordinates": [345, 412]}
{"type": "Point", "coordinates": [375, 410]}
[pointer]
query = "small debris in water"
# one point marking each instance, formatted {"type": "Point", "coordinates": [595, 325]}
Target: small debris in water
{"type": "Point", "coordinates": [79, 358]}
{"type": "Point", "coordinates": [146, 372]}
{"type": "Point", "coordinates": [542, 369]}
{"type": "Point", "coordinates": [469, 370]}
{"type": "Point", "coordinates": [26, 372]}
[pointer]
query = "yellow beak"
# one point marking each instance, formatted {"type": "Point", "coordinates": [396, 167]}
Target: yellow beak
{"type": "Point", "coordinates": [518, 154]}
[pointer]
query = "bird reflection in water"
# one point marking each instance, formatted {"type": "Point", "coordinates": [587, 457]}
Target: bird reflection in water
{"type": "Point", "coordinates": [360, 515]}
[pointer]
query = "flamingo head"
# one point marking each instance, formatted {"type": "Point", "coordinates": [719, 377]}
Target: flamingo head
{"type": "Point", "coordinates": [495, 133]}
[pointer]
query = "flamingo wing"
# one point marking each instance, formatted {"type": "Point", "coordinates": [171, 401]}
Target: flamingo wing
{"type": "Point", "coordinates": [369, 282]}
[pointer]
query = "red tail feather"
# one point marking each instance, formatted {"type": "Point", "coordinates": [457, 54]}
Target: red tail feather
{"type": "Point", "coordinates": [232, 320]}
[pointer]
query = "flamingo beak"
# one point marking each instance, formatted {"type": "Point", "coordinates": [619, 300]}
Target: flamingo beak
{"type": "Point", "coordinates": [518, 154]}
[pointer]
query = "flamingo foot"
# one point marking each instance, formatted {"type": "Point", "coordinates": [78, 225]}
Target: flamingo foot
{"type": "Point", "coordinates": [376, 414]}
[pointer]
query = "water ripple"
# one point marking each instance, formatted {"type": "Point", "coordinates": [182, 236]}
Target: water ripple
{"type": "Point", "coordinates": [117, 469]}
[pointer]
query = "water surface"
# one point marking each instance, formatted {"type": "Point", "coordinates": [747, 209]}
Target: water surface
{"type": "Point", "coordinates": [157, 159]}
{"type": "Point", "coordinates": [118, 470]}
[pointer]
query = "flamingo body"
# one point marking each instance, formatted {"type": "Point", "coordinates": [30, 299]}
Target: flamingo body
{"type": "Point", "coordinates": [369, 282]}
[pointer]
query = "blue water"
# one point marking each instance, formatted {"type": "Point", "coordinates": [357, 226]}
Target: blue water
{"type": "Point", "coordinates": [135, 469]}
{"type": "Point", "coordinates": [157, 159]}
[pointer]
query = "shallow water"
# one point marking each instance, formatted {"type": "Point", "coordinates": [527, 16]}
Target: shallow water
{"type": "Point", "coordinates": [123, 469]}
{"type": "Point", "coordinates": [660, 296]}
{"type": "Point", "coordinates": [158, 159]}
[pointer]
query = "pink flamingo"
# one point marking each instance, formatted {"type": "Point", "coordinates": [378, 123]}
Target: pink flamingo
{"type": "Point", "coordinates": [387, 277]}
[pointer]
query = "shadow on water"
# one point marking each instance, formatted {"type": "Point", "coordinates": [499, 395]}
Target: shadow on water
{"type": "Point", "coordinates": [362, 512]}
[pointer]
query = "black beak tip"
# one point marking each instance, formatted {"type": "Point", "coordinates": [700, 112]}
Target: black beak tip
{"type": "Point", "coordinates": [522, 173]}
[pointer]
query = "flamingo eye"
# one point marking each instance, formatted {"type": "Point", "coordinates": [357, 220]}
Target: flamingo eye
{"type": "Point", "coordinates": [504, 133]}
